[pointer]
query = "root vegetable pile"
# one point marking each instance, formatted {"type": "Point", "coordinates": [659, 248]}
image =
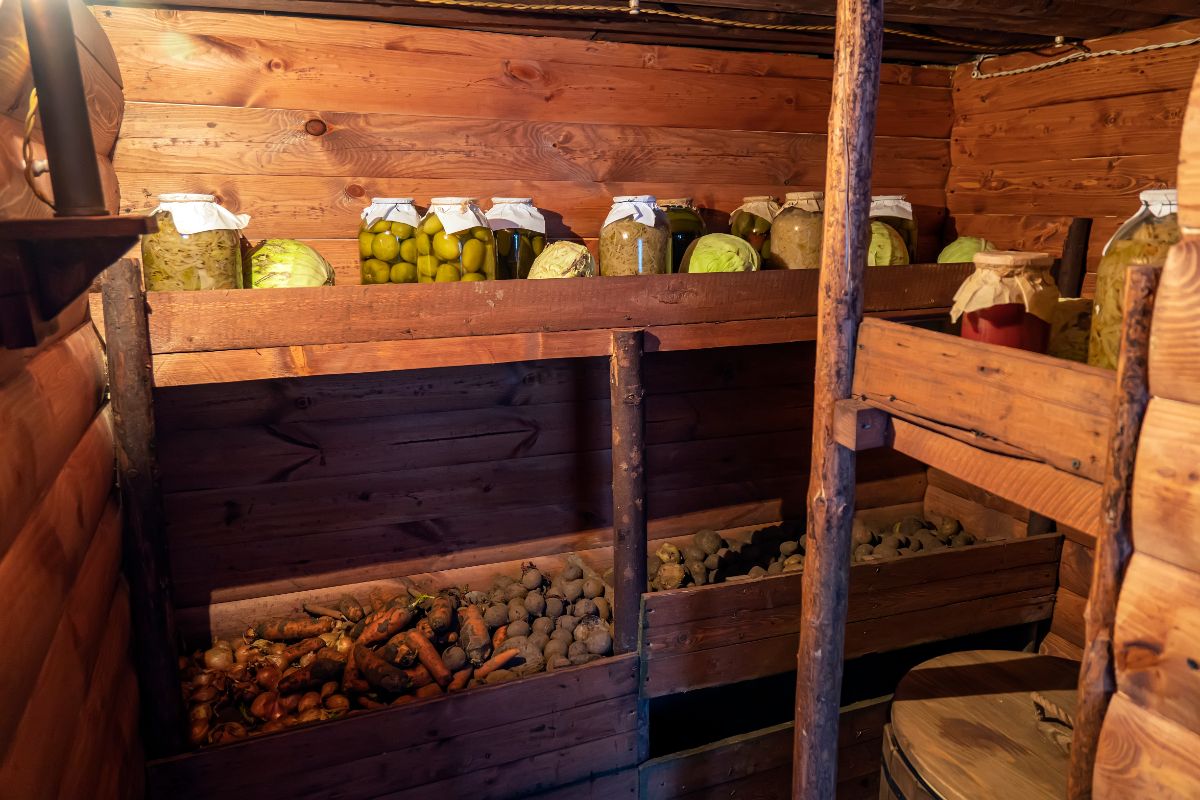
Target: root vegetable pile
{"type": "Point", "coordinates": [343, 657]}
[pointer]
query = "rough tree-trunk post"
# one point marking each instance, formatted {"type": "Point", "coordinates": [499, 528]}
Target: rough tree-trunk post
{"type": "Point", "coordinates": [857, 51]}
{"type": "Point", "coordinates": [127, 339]}
{"type": "Point", "coordinates": [628, 485]}
{"type": "Point", "coordinates": [1114, 546]}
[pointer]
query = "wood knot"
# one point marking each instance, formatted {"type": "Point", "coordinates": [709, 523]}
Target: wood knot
{"type": "Point", "coordinates": [354, 190]}
{"type": "Point", "coordinates": [523, 71]}
{"type": "Point", "coordinates": [315, 127]}
{"type": "Point", "coordinates": [276, 65]}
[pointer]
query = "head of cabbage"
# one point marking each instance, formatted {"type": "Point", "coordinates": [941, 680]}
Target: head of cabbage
{"type": "Point", "coordinates": [719, 252]}
{"type": "Point", "coordinates": [283, 263]}
{"type": "Point", "coordinates": [563, 260]}
{"type": "Point", "coordinates": [963, 249]}
{"type": "Point", "coordinates": [887, 246]}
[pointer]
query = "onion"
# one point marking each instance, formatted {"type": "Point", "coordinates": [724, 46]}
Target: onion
{"type": "Point", "coordinates": [310, 715]}
{"type": "Point", "coordinates": [218, 658]}
{"type": "Point", "coordinates": [268, 676]}
{"type": "Point", "coordinates": [309, 700]}
{"type": "Point", "coordinates": [265, 706]}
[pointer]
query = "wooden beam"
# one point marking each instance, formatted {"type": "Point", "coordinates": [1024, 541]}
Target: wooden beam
{"type": "Point", "coordinates": [627, 397]}
{"type": "Point", "coordinates": [145, 552]}
{"type": "Point", "coordinates": [858, 48]}
{"type": "Point", "coordinates": [1114, 545]}
{"type": "Point", "coordinates": [858, 425]}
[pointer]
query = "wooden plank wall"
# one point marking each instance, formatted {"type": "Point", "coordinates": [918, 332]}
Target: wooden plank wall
{"type": "Point", "coordinates": [1031, 151]}
{"type": "Point", "coordinates": [299, 121]}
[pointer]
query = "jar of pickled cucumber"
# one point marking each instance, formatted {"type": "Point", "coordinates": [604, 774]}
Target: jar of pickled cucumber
{"type": "Point", "coordinates": [752, 221]}
{"type": "Point", "coordinates": [796, 233]}
{"type": "Point", "coordinates": [197, 245]}
{"type": "Point", "coordinates": [387, 244]}
{"type": "Point", "coordinates": [635, 239]}
{"type": "Point", "coordinates": [520, 231]}
{"type": "Point", "coordinates": [1145, 238]}
{"type": "Point", "coordinates": [897, 213]}
{"type": "Point", "coordinates": [686, 227]}
{"type": "Point", "coordinates": [455, 243]}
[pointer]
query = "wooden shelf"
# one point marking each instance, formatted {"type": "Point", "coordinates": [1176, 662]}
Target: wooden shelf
{"type": "Point", "coordinates": [236, 335]}
{"type": "Point", "coordinates": [1029, 428]}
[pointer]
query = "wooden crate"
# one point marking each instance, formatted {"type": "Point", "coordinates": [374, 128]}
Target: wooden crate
{"type": "Point", "coordinates": [705, 636]}
{"type": "Point", "coordinates": [574, 727]}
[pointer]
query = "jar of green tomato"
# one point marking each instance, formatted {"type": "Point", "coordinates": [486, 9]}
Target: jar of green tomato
{"type": "Point", "coordinates": [752, 220]}
{"type": "Point", "coordinates": [387, 246]}
{"type": "Point", "coordinates": [520, 231]}
{"type": "Point", "coordinates": [686, 227]}
{"type": "Point", "coordinates": [454, 243]}
{"type": "Point", "coordinates": [897, 213]}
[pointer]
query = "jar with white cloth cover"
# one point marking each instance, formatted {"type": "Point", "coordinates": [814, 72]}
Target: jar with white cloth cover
{"type": "Point", "coordinates": [387, 241]}
{"type": "Point", "coordinates": [520, 231]}
{"type": "Point", "coordinates": [197, 245]}
{"type": "Point", "coordinates": [635, 239]}
{"type": "Point", "coordinates": [455, 243]}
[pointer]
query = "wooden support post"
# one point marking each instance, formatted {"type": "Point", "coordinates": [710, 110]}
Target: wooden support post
{"type": "Point", "coordinates": [127, 340]}
{"type": "Point", "coordinates": [857, 49]}
{"type": "Point", "coordinates": [1114, 545]}
{"type": "Point", "coordinates": [628, 485]}
{"type": "Point", "coordinates": [1073, 265]}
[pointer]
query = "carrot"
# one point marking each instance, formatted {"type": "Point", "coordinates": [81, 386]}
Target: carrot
{"type": "Point", "coordinates": [427, 654]}
{"type": "Point", "coordinates": [473, 634]}
{"type": "Point", "coordinates": [498, 636]}
{"type": "Point", "coordinates": [495, 662]}
{"type": "Point", "coordinates": [350, 607]}
{"type": "Point", "coordinates": [460, 680]}
{"type": "Point", "coordinates": [419, 676]}
{"type": "Point", "coordinates": [432, 690]}
{"type": "Point", "coordinates": [369, 704]}
{"type": "Point", "coordinates": [386, 622]}
{"type": "Point", "coordinates": [398, 652]}
{"type": "Point", "coordinates": [380, 673]}
{"type": "Point", "coordinates": [327, 666]}
{"type": "Point", "coordinates": [425, 629]}
{"type": "Point", "coordinates": [441, 615]}
{"type": "Point", "coordinates": [403, 699]}
{"type": "Point", "coordinates": [290, 630]}
{"type": "Point", "coordinates": [377, 599]}
{"type": "Point", "coordinates": [352, 680]}
{"type": "Point", "coordinates": [301, 648]}
{"type": "Point", "coordinates": [322, 611]}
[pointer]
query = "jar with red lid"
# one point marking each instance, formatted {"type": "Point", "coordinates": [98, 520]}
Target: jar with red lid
{"type": "Point", "coordinates": [1009, 300]}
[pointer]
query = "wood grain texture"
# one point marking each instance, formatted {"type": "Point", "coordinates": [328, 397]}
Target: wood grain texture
{"type": "Point", "coordinates": [1067, 621]}
{"type": "Point", "coordinates": [1075, 570]}
{"type": "Point", "coordinates": [629, 513]}
{"type": "Point", "coordinates": [1144, 755]}
{"type": "Point", "coordinates": [997, 393]}
{"type": "Point", "coordinates": [1166, 499]}
{"type": "Point", "coordinates": [1056, 645]}
{"type": "Point", "coordinates": [1174, 351]}
{"type": "Point", "coordinates": [976, 519]}
{"type": "Point", "coordinates": [1189, 165]}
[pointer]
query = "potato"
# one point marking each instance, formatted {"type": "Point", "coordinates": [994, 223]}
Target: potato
{"type": "Point", "coordinates": [576, 649]}
{"type": "Point", "coordinates": [756, 572]}
{"type": "Point", "coordinates": [908, 526]}
{"type": "Point", "coordinates": [775, 568]}
{"type": "Point", "coordinates": [693, 553]}
{"type": "Point", "coordinates": [555, 647]}
{"type": "Point", "coordinates": [554, 607]}
{"type": "Point", "coordinates": [949, 527]}
{"type": "Point", "coordinates": [573, 590]}
{"type": "Point", "coordinates": [518, 628]}
{"type": "Point", "coordinates": [587, 626]}
{"type": "Point", "coordinates": [516, 591]}
{"type": "Point", "coordinates": [593, 587]}
{"type": "Point", "coordinates": [600, 643]}
{"type": "Point", "coordinates": [455, 658]}
{"type": "Point", "coordinates": [495, 616]}
{"type": "Point", "coordinates": [708, 541]}
{"type": "Point", "coordinates": [862, 551]}
{"type": "Point", "coordinates": [499, 676]}
{"type": "Point", "coordinates": [671, 576]}
{"type": "Point", "coordinates": [535, 603]}
{"type": "Point", "coordinates": [475, 598]}
{"type": "Point", "coordinates": [698, 572]}
{"type": "Point", "coordinates": [498, 596]}
{"type": "Point", "coordinates": [539, 640]}
{"type": "Point", "coordinates": [584, 607]}
{"type": "Point", "coordinates": [517, 613]}
{"type": "Point", "coordinates": [572, 572]}
{"type": "Point", "coordinates": [603, 609]}
{"type": "Point", "coordinates": [558, 662]}
{"type": "Point", "coordinates": [565, 635]}
{"type": "Point", "coordinates": [531, 577]}
{"type": "Point", "coordinates": [542, 625]}
{"type": "Point", "coordinates": [712, 562]}
{"type": "Point", "coordinates": [787, 548]}
{"type": "Point", "coordinates": [962, 540]}
{"type": "Point", "coordinates": [669, 554]}
{"type": "Point", "coordinates": [567, 622]}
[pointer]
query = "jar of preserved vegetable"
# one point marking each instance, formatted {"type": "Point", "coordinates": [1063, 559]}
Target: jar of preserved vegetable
{"type": "Point", "coordinates": [455, 243]}
{"type": "Point", "coordinates": [686, 226]}
{"type": "Point", "coordinates": [897, 213]}
{"type": "Point", "coordinates": [796, 232]}
{"type": "Point", "coordinates": [752, 221]}
{"type": "Point", "coordinates": [197, 245]}
{"type": "Point", "coordinates": [1009, 300]}
{"type": "Point", "coordinates": [387, 243]}
{"type": "Point", "coordinates": [1145, 238]}
{"type": "Point", "coordinates": [635, 239]}
{"type": "Point", "coordinates": [520, 231]}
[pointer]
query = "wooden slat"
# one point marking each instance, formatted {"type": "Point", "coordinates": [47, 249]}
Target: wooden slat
{"type": "Point", "coordinates": [1144, 755]}
{"type": "Point", "coordinates": [1068, 499]}
{"type": "Point", "coordinates": [998, 393]}
{"type": "Point", "coordinates": [978, 520]}
{"type": "Point", "coordinates": [1166, 498]}
{"type": "Point", "coordinates": [1157, 639]}
{"type": "Point", "coordinates": [1075, 570]}
{"type": "Point", "coordinates": [954, 485]}
{"type": "Point", "coordinates": [43, 412]}
{"type": "Point", "coordinates": [1067, 621]}
{"type": "Point", "coordinates": [1055, 645]}
{"type": "Point", "coordinates": [478, 716]}
{"type": "Point", "coordinates": [1174, 349]}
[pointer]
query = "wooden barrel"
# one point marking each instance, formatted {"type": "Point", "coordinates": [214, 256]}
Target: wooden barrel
{"type": "Point", "coordinates": [981, 724]}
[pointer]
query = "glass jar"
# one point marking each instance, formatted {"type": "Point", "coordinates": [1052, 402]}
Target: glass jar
{"type": "Point", "coordinates": [520, 231]}
{"type": "Point", "coordinates": [387, 244]}
{"type": "Point", "coordinates": [752, 220]}
{"type": "Point", "coordinates": [635, 239]}
{"type": "Point", "coordinates": [1009, 300]}
{"type": "Point", "coordinates": [897, 213]}
{"type": "Point", "coordinates": [455, 243]}
{"type": "Point", "coordinates": [197, 245]}
{"type": "Point", "coordinates": [796, 233]}
{"type": "Point", "coordinates": [1145, 238]}
{"type": "Point", "coordinates": [686, 227]}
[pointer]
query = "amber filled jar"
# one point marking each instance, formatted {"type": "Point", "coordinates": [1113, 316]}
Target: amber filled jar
{"type": "Point", "coordinates": [1009, 300]}
{"type": "Point", "coordinates": [896, 212]}
{"type": "Point", "coordinates": [197, 245]}
{"type": "Point", "coordinates": [752, 220]}
{"type": "Point", "coordinates": [520, 231]}
{"type": "Point", "coordinates": [686, 227]}
{"type": "Point", "coordinates": [387, 241]}
{"type": "Point", "coordinates": [635, 239]}
{"type": "Point", "coordinates": [797, 231]}
{"type": "Point", "coordinates": [454, 243]}
{"type": "Point", "coordinates": [1144, 238]}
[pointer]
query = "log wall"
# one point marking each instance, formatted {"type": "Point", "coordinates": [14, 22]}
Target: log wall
{"type": "Point", "coordinates": [1031, 151]}
{"type": "Point", "coordinates": [299, 122]}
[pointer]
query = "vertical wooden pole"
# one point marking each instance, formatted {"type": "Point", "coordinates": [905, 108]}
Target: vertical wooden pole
{"type": "Point", "coordinates": [628, 485]}
{"type": "Point", "coordinates": [1073, 265]}
{"type": "Point", "coordinates": [857, 51]}
{"type": "Point", "coordinates": [127, 339]}
{"type": "Point", "coordinates": [1097, 677]}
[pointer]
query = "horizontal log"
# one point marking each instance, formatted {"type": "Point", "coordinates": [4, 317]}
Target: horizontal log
{"type": "Point", "coordinates": [1166, 498]}
{"type": "Point", "coordinates": [1000, 394]}
{"type": "Point", "coordinates": [1174, 352]}
{"type": "Point", "coordinates": [1144, 755]}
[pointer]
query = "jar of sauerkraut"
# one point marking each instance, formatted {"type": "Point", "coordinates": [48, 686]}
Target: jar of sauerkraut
{"type": "Point", "coordinates": [796, 232]}
{"type": "Point", "coordinates": [897, 213]}
{"type": "Point", "coordinates": [1145, 238]}
{"type": "Point", "coordinates": [520, 231]}
{"type": "Point", "coordinates": [196, 246]}
{"type": "Point", "coordinates": [455, 243]}
{"type": "Point", "coordinates": [635, 239]}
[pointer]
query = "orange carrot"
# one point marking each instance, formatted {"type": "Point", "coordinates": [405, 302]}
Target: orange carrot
{"type": "Point", "coordinates": [495, 662]}
{"type": "Point", "coordinates": [474, 634]}
{"type": "Point", "coordinates": [441, 614]}
{"type": "Point", "coordinates": [427, 654]}
{"type": "Point", "coordinates": [460, 680]}
{"type": "Point", "coordinates": [290, 630]}
{"type": "Point", "coordinates": [380, 673]}
{"type": "Point", "coordinates": [386, 623]}
{"type": "Point", "coordinates": [432, 690]}
{"type": "Point", "coordinates": [498, 636]}
{"type": "Point", "coordinates": [419, 676]}
{"type": "Point", "coordinates": [301, 648]}
{"type": "Point", "coordinates": [352, 680]}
